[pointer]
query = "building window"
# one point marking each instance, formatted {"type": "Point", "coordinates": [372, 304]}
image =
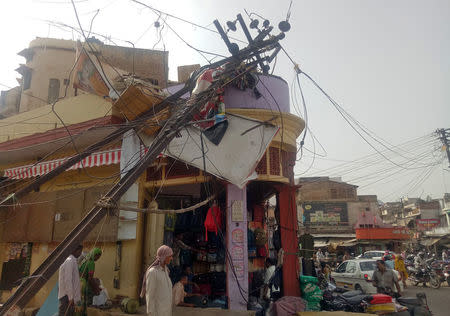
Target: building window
{"type": "Point", "coordinates": [26, 79]}
{"type": "Point", "coordinates": [53, 90]}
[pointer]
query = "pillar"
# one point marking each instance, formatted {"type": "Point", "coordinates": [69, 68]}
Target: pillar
{"type": "Point", "coordinates": [289, 242]}
{"type": "Point", "coordinates": [237, 270]}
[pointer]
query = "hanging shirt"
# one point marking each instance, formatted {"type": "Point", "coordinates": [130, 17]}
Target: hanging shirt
{"type": "Point", "coordinates": [158, 292]}
{"type": "Point", "coordinates": [69, 280]}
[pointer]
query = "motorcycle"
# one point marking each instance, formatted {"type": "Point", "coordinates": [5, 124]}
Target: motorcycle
{"type": "Point", "coordinates": [424, 275]}
{"type": "Point", "coordinates": [439, 268]}
{"type": "Point", "coordinates": [357, 302]}
{"type": "Point", "coordinates": [447, 274]}
{"type": "Point", "coordinates": [416, 305]}
{"type": "Point", "coordinates": [352, 301]}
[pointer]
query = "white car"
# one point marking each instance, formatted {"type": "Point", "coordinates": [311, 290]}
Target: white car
{"type": "Point", "coordinates": [356, 274]}
{"type": "Point", "coordinates": [373, 254]}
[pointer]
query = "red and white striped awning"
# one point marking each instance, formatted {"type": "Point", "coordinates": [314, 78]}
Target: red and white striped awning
{"type": "Point", "coordinates": [101, 158]}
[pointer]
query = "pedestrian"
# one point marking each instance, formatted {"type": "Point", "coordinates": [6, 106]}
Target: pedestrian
{"type": "Point", "coordinates": [444, 255]}
{"type": "Point", "coordinates": [89, 286]}
{"type": "Point", "coordinates": [157, 286]}
{"type": "Point", "coordinates": [69, 289]}
{"type": "Point", "coordinates": [319, 255]}
{"type": "Point", "coordinates": [346, 256]}
{"type": "Point", "coordinates": [385, 279]}
{"type": "Point", "coordinates": [400, 267]}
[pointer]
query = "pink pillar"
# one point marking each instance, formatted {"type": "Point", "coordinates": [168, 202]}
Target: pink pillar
{"type": "Point", "coordinates": [237, 281]}
{"type": "Point", "coordinates": [289, 242]}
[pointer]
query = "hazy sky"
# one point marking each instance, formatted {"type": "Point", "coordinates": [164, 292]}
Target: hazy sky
{"type": "Point", "coordinates": [386, 62]}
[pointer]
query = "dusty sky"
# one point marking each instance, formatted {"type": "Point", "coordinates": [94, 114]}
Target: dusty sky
{"type": "Point", "coordinates": [386, 62]}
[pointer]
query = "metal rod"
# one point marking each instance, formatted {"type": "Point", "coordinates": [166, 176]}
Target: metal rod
{"type": "Point", "coordinates": [264, 69]}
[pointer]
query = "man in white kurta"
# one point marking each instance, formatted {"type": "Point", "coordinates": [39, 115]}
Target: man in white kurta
{"type": "Point", "coordinates": [158, 291]}
{"type": "Point", "coordinates": [69, 289]}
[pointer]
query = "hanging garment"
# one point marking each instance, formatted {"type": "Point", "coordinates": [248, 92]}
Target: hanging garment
{"type": "Point", "coordinates": [213, 221]}
{"type": "Point", "coordinates": [258, 213]}
{"type": "Point", "coordinates": [169, 222]}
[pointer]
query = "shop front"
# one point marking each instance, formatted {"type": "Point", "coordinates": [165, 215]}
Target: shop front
{"type": "Point", "coordinates": [382, 238]}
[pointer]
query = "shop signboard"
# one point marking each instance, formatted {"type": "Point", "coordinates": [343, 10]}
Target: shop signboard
{"type": "Point", "coordinates": [426, 224]}
{"type": "Point", "coordinates": [325, 214]}
{"type": "Point", "coordinates": [383, 233]}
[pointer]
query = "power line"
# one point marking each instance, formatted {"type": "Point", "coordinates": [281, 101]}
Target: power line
{"type": "Point", "coordinates": [184, 20]}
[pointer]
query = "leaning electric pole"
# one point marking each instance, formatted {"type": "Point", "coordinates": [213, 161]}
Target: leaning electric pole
{"type": "Point", "coordinates": [444, 134]}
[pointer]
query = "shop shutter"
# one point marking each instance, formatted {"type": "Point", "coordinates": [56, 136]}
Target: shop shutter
{"type": "Point", "coordinates": [41, 217]}
{"type": "Point", "coordinates": [15, 223]}
{"type": "Point", "coordinates": [69, 206]}
{"type": "Point", "coordinates": [106, 229]}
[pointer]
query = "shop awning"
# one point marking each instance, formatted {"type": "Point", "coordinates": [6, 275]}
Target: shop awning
{"type": "Point", "coordinates": [349, 243]}
{"type": "Point", "coordinates": [429, 242]}
{"type": "Point", "coordinates": [320, 244]}
{"type": "Point", "coordinates": [96, 159]}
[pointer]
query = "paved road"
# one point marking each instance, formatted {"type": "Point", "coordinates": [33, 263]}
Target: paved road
{"type": "Point", "coordinates": [438, 300]}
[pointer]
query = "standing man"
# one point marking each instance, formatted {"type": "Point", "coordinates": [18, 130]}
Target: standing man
{"type": "Point", "coordinates": [385, 279]}
{"type": "Point", "coordinates": [69, 290]}
{"type": "Point", "coordinates": [157, 286]}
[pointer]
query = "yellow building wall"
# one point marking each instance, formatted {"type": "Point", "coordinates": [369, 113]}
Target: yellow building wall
{"type": "Point", "coordinates": [54, 59]}
{"type": "Point", "coordinates": [290, 125]}
{"type": "Point", "coordinates": [131, 258]}
{"type": "Point", "coordinates": [74, 110]}
{"type": "Point", "coordinates": [129, 274]}
{"type": "Point", "coordinates": [47, 63]}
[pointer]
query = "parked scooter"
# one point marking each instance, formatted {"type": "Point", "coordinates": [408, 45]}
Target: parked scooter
{"type": "Point", "coordinates": [424, 275]}
{"type": "Point", "coordinates": [416, 305]}
{"type": "Point", "coordinates": [439, 267]}
{"type": "Point", "coordinates": [352, 301]}
{"type": "Point", "coordinates": [357, 302]}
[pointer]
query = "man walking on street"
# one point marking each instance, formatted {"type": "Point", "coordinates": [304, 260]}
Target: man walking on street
{"type": "Point", "coordinates": [69, 290]}
{"type": "Point", "coordinates": [385, 279]}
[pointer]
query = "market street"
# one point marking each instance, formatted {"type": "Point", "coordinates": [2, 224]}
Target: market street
{"type": "Point", "coordinates": [437, 299]}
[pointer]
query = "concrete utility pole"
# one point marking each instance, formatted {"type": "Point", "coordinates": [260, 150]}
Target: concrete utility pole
{"type": "Point", "coordinates": [170, 129]}
{"type": "Point", "coordinates": [444, 134]}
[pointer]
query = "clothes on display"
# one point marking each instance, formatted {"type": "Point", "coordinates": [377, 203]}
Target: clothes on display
{"type": "Point", "coordinates": [213, 220]}
{"type": "Point", "coordinates": [197, 244]}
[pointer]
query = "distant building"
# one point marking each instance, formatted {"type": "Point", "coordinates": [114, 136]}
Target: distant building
{"type": "Point", "coordinates": [392, 213]}
{"type": "Point", "coordinates": [329, 208]}
{"type": "Point", "coordinates": [45, 75]}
